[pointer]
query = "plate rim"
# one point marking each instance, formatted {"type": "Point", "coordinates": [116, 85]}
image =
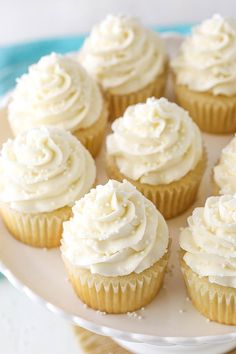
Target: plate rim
{"type": "Point", "coordinates": [109, 331]}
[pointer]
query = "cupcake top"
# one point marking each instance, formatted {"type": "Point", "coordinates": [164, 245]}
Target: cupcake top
{"type": "Point", "coordinates": [155, 142]}
{"type": "Point", "coordinates": [224, 173]}
{"type": "Point", "coordinates": [55, 91]}
{"type": "Point", "coordinates": [210, 240]}
{"type": "Point", "coordinates": [44, 169]}
{"type": "Point", "coordinates": [114, 231]}
{"type": "Point", "coordinates": [123, 55]}
{"type": "Point", "coordinates": [207, 59]}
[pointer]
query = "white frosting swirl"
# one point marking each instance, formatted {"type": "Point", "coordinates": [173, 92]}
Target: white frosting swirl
{"type": "Point", "coordinates": [210, 240]}
{"type": "Point", "coordinates": [155, 142]}
{"type": "Point", "coordinates": [123, 55]}
{"type": "Point", "coordinates": [56, 91]}
{"type": "Point", "coordinates": [225, 170]}
{"type": "Point", "coordinates": [114, 231]}
{"type": "Point", "coordinates": [207, 59]}
{"type": "Point", "coordinates": [44, 169]}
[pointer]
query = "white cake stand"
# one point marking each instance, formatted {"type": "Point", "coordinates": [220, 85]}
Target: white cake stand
{"type": "Point", "coordinates": [170, 324]}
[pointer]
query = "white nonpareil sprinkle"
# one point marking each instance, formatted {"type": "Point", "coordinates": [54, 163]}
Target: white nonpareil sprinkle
{"type": "Point", "coordinates": [135, 315]}
{"type": "Point", "coordinates": [101, 313]}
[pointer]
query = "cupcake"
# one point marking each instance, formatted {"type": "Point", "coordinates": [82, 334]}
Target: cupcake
{"type": "Point", "coordinates": [208, 258]}
{"type": "Point", "coordinates": [204, 75]}
{"type": "Point", "coordinates": [57, 91]}
{"type": "Point", "coordinates": [157, 147]}
{"type": "Point", "coordinates": [42, 172]}
{"type": "Point", "coordinates": [128, 60]}
{"type": "Point", "coordinates": [115, 248]}
{"type": "Point", "coordinates": [224, 173]}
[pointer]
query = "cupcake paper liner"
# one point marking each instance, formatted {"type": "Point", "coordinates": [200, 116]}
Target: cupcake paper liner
{"type": "Point", "coordinates": [92, 137]}
{"type": "Point", "coordinates": [38, 230]}
{"type": "Point", "coordinates": [119, 294]}
{"type": "Point", "coordinates": [118, 103]}
{"type": "Point", "coordinates": [216, 302]}
{"type": "Point", "coordinates": [213, 114]}
{"type": "Point", "coordinates": [171, 199]}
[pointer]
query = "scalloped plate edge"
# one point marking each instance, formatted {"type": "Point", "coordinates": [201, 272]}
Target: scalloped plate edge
{"type": "Point", "coordinates": [110, 332]}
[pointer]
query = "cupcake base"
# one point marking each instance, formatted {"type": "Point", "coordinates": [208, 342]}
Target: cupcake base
{"type": "Point", "coordinates": [92, 137]}
{"type": "Point", "coordinates": [171, 199]}
{"type": "Point", "coordinates": [119, 294]}
{"type": "Point", "coordinates": [216, 302]}
{"type": "Point", "coordinates": [213, 114]}
{"type": "Point", "coordinates": [37, 230]}
{"type": "Point", "coordinates": [118, 103]}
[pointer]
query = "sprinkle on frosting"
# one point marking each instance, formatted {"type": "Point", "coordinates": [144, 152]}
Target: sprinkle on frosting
{"type": "Point", "coordinates": [207, 59]}
{"type": "Point", "coordinates": [123, 55]}
{"type": "Point", "coordinates": [44, 169]}
{"type": "Point", "coordinates": [210, 240]}
{"type": "Point", "coordinates": [114, 231]}
{"type": "Point", "coordinates": [56, 91]}
{"type": "Point", "coordinates": [155, 142]}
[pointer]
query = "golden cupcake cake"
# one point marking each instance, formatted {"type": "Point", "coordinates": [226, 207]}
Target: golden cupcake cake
{"type": "Point", "coordinates": [208, 258]}
{"type": "Point", "coordinates": [58, 91]}
{"type": "Point", "coordinates": [224, 173]}
{"type": "Point", "coordinates": [128, 60]}
{"type": "Point", "coordinates": [157, 147]}
{"type": "Point", "coordinates": [115, 248]}
{"type": "Point", "coordinates": [42, 172]}
{"type": "Point", "coordinates": [204, 75]}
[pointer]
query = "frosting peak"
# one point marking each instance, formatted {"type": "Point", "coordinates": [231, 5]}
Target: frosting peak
{"type": "Point", "coordinates": [123, 55]}
{"type": "Point", "coordinates": [155, 142]}
{"type": "Point", "coordinates": [114, 231]}
{"type": "Point", "coordinates": [225, 170]}
{"type": "Point", "coordinates": [44, 169]}
{"type": "Point", "coordinates": [210, 240]}
{"type": "Point", "coordinates": [55, 91]}
{"type": "Point", "coordinates": [207, 59]}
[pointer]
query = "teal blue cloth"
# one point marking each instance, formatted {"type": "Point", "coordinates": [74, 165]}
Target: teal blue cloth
{"type": "Point", "coordinates": [15, 59]}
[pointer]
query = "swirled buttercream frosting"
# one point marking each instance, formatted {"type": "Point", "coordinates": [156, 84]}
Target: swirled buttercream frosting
{"type": "Point", "coordinates": [224, 172]}
{"type": "Point", "coordinates": [123, 55]}
{"type": "Point", "coordinates": [155, 142]}
{"type": "Point", "coordinates": [56, 91]}
{"type": "Point", "coordinates": [210, 240]}
{"type": "Point", "coordinates": [207, 59]}
{"type": "Point", "coordinates": [114, 231]}
{"type": "Point", "coordinates": [44, 169]}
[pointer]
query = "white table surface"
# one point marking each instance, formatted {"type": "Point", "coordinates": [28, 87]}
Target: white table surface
{"type": "Point", "coordinates": [25, 327]}
{"type": "Point", "coordinates": [28, 328]}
